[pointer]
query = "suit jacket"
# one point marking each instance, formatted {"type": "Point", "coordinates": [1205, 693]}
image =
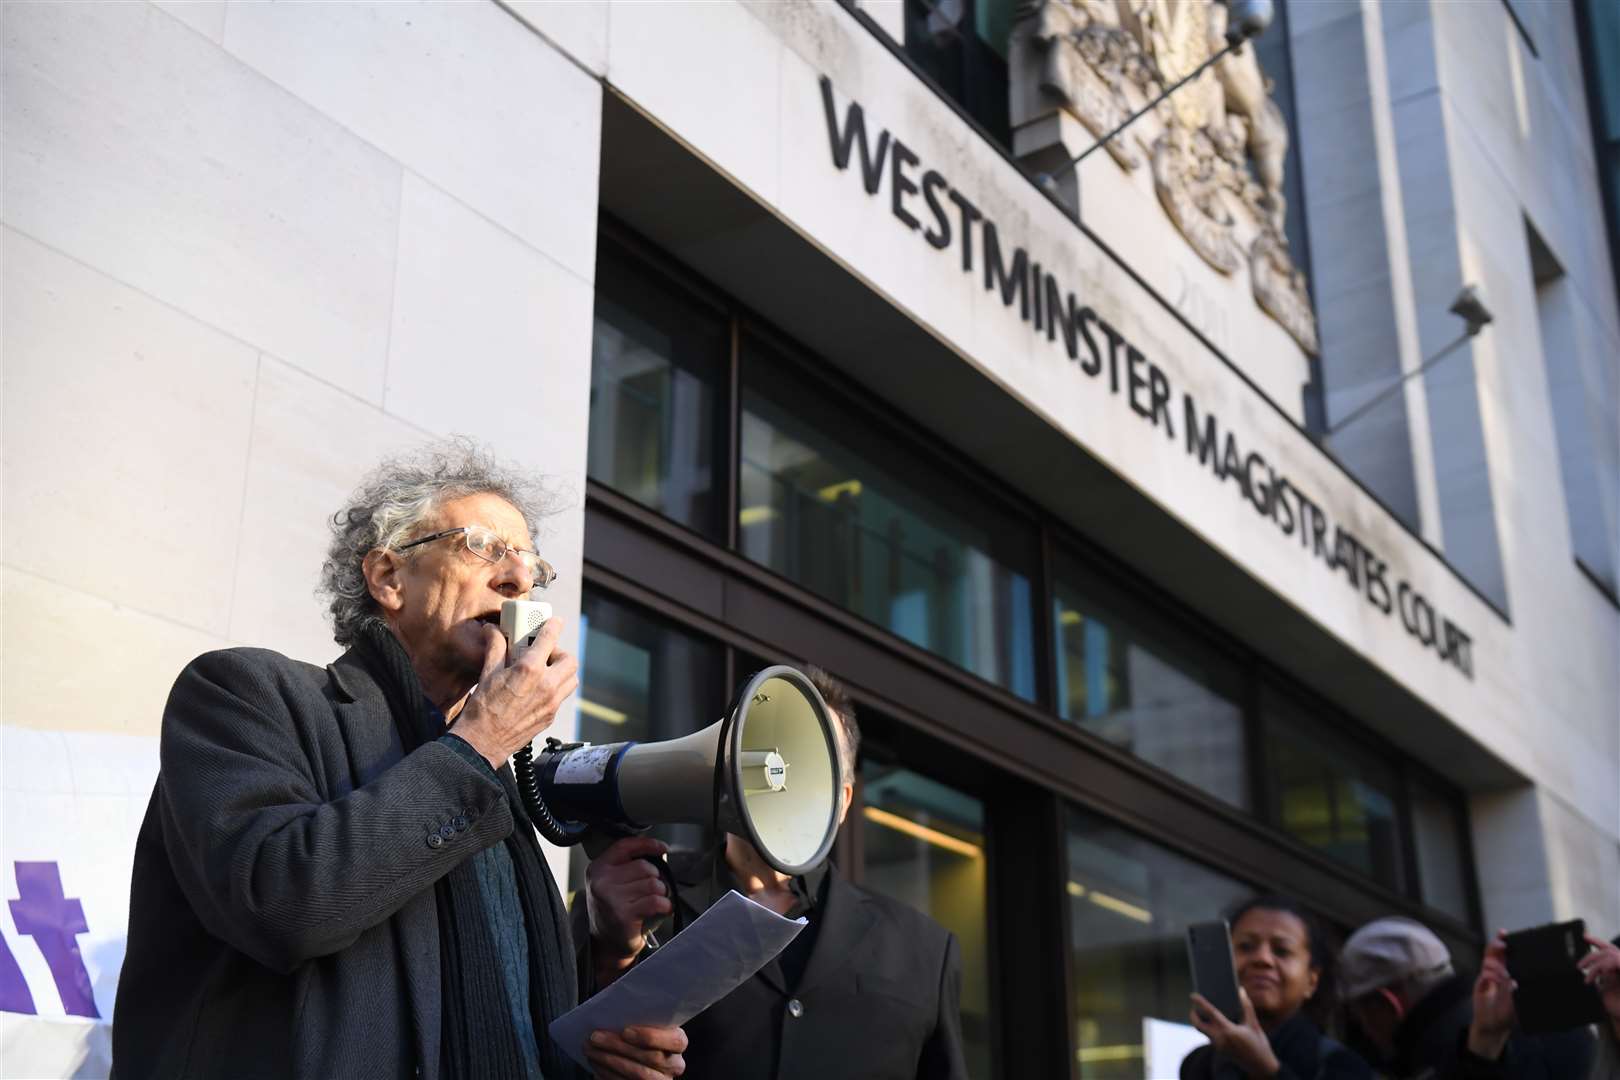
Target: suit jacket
{"type": "Point", "coordinates": [282, 916]}
{"type": "Point", "coordinates": [878, 1000]}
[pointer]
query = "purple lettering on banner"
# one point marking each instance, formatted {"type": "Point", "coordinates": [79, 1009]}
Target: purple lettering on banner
{"type": "Point", "coordinates": [14, 995]}
{"type": "Point", "coordinates": [54, 921]}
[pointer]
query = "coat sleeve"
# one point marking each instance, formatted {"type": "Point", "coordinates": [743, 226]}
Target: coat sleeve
{"type": "Point", "coordinates": [266, 862]}
{"type": "Point", "coordinates": [942, 1054]}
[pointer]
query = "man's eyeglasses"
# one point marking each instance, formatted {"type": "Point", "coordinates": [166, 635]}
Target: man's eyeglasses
{"type": "Point", "coordinates": [486, 545]}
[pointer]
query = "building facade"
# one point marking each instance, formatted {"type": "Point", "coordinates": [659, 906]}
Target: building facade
{"type": "Point", "coordinates": [1090, 486]}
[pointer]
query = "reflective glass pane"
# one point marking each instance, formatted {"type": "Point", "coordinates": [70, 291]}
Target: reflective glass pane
{"type": "Point", "coordinates": [923, 844]}
{"type": "Point", "coordinates": [1130, 902]}
{"type": "Point", "coordinates": [852, 515]}
{"type": "Point", "coordinates": [1437, 830]}
{"type": "Point", "coordinates": [1146, 688]}
{"type": "Point", "coordinates": [1330, 794]}
{"type": "Point", "coordinates": [656, 360]}
{"type": "Point", "coordinates": [643, 678]}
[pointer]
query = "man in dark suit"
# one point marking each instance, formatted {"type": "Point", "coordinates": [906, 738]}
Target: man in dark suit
{"type": "Point", "coordinates": [869, 990]}
{"type": "Point", "coordinates": [336, 876]}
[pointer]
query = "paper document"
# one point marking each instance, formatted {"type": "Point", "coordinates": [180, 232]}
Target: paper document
{"type": "Point", "coordinates": [718, 952]}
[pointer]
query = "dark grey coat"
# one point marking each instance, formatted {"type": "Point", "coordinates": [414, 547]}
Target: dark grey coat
{"type": "Point", "coordinates": [879, 998]}
{"type": "Point", "coordinates": [282, 918]}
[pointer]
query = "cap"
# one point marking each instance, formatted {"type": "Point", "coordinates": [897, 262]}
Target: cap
{"type": "Point", "coordinates": [1387, 952]}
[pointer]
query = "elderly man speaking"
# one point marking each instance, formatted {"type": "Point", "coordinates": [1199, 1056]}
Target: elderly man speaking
{"type": "Point", "coordinates": [336, 877]}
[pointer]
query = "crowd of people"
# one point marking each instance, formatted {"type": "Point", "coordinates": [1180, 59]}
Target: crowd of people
{"type": "Point", "coordinates": [337, 877]}
{"type": "Point", "coordinates": [1404, 1010]}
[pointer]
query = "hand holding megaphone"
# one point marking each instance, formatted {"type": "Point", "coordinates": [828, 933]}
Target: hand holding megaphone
{"type": "Point", "coordinates": [625, 894]}
{"type": "Point", "coordinates": [519, 691]}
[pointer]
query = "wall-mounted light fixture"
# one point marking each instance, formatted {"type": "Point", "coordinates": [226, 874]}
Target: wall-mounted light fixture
{"type": "Point", "coordinates": [1475, 315]}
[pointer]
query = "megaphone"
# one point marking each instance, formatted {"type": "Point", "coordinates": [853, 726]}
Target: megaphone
{"type": "Point", "coordinates": [766, 771]}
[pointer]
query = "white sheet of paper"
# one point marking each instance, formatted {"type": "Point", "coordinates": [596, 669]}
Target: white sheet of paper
{"type": "Point", "coordinates": [718, 952]}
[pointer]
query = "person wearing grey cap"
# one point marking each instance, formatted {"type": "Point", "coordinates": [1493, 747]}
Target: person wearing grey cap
{"type": "Point", "coordinates": [1398, 984]}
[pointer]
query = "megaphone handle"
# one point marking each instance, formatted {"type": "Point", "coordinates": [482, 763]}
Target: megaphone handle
{"type": "Point", "coordinates": [676, 918]}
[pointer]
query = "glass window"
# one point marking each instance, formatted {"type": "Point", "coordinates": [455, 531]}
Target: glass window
{"type": "Point", "coordinates": [1330, 794]}
{"type": "Point", "coordinates": [829, 502]}
{"type": "Point", "coordinates": [923, 844]}
{"type": "Point", "coordinates": [643, 678]}
{"type": "Point", "coordinates": [1129, 904]}
{"type": "Point", "coordinates": [656, 362]}
{"type": "Point", "coordinates": [962, 45]}
{"type": "Point", "coordinates": [1438, 830]}
{"type": "Point", "coordinates": [1147, 688]}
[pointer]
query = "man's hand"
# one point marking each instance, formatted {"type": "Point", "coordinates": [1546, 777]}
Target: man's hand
{"type": "Point", "coordinates": [1245, 1044]}
{"type": "Point", "coordinates": [623, 893]}
{"type": "Point", "coordinates": [1493, 1003]}
{"type": "Point", "coordinates": [637, 1053]}
{"type": "Point", "coordinates": [514, 704]}
{"type": "Point", "coordinates": [1601, 968]}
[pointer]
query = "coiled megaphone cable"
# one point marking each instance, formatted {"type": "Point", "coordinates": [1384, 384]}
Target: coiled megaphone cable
{"type": "Point", "coordinates": [561, 833]}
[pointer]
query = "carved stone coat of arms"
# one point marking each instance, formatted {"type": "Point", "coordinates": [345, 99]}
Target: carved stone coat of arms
{"type": "Point", "coordinates": [1220, 138]}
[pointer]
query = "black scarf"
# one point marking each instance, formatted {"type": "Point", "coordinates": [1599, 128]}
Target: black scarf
{"type": "Point", "coordinates": [476, 1039]}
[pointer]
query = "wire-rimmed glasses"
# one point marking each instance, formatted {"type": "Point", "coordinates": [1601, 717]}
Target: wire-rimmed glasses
{"type": "Point", "coordinates": [483, 542]}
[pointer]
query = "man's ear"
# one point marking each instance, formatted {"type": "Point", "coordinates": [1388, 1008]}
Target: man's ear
{"type": "Point", "coordinates": [843, 803]}
{"type": "Point", "coordinates": [382, 569]}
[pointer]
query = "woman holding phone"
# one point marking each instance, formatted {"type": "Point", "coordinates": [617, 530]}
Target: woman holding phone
{"type": "Point", "coordinates": [1282, 964]}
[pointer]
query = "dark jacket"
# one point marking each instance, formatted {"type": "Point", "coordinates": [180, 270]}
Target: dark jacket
{"type": "Point", "coordinates": [878, 1000]}
{"type": "Point", "coordinates": [1432, 1044]}
{"type": "Point", "coordinates": [282, 917]}
{"type": "Point", "coordinates": [1301, 1049]}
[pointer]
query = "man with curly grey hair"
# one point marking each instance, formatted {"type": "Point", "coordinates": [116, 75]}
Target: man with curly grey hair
{"type": "Point", "coordinates": [336, 876]}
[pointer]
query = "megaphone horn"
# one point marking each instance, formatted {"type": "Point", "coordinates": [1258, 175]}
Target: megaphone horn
{"type": "Point", "coordinates": [767, 771]}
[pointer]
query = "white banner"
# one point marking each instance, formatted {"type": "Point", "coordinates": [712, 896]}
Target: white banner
{"type": "Point", "coordinates": [1165, 1044]}
{"type": "Point", "coordinates": [73, 804]}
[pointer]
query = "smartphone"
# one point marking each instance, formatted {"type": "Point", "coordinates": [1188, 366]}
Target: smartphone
{"type": "Point", "coordinates": [1551, 994]}
{"type": "Point", "coordinates": [1214, 975]}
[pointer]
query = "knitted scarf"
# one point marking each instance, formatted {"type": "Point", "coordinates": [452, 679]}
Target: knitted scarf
{"type": "Point", "coordinates": [477, 1040]}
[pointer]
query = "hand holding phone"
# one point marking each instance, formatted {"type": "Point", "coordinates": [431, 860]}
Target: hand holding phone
{"type": "Point", "coordinates": [1236, 1034]}
{"type": "Point", "coordinates": [1550, 992]}
{"type": "Point", "coordinates": [1214, 975]}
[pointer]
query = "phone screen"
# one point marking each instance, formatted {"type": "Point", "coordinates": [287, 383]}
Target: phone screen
{"type": "Point", "coordinates": [1209, 951]}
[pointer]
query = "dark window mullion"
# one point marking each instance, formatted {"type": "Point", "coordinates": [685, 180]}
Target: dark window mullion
{"type": "Point", "coordinates": [1254, 734]}
{"type": "Point", "coordinates": [733, 434]}
{"type": "Point", "coordinates": [1043, 598]}
{"type": "Point", "coordinates": [1031, 977]}
{"type": "Point", "coordinates": [1407, 830]}
{"type": "Point", "coordinates": [1476, 902]}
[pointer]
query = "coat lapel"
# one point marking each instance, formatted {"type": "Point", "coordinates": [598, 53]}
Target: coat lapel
{"type": "Point", "coordinates": [373, 744]}
{"type": "Point", "coordinates": [845, 920]}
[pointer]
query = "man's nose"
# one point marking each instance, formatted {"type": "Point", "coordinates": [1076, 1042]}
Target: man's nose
{"type": "Point", "coordinates": [512, 578]}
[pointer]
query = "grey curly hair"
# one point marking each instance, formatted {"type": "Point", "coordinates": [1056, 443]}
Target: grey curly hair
{"type": "Point", "coordinates": [390, 505]}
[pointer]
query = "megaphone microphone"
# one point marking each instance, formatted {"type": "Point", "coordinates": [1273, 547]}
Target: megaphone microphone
{"type": "Point", "coordinates": [766, 771]}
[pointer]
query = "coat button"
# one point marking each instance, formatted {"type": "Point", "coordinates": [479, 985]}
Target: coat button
{"type": "Point", "coordinates": [460, 823]}
{"type": "Point", "coordinates": [435, 840]}
{"type": "Point", "coordinates": [447, 830]}
{"type": "Point", "coordinates": [795, 1008]}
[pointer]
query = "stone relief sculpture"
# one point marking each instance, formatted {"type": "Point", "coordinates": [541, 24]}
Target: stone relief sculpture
{"type": "Point", "coordinates": [1086, 57]}
{"type": "Point", "coordinates": [1221, 140]}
